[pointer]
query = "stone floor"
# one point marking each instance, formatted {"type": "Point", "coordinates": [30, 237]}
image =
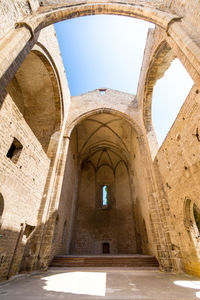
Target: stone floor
{"type": "Point", "coordinates": [101, 283]}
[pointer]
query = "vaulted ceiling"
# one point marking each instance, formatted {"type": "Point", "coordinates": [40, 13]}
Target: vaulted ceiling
{"type": "Point", "coordinates": [104, 139]}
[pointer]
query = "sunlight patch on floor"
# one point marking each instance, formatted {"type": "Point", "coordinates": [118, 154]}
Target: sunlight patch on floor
{"type": "Point", "coordinates": [86, 283]}
{"type": "Point", "coordinates": [189, 284]}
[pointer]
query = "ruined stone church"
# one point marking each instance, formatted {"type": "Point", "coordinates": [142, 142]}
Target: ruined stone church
{"type": "Point", "coordinates": [83, 175]}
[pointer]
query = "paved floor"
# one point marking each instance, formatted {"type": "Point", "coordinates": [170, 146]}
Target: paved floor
{"type": "Point", "coordinates": [101, 283]}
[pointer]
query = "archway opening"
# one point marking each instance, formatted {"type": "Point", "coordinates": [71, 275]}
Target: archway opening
{"type": "Point", "coordinates": [169, 94]}
{"type": "Point", "coordinates": [105, 248]}
{"type": "Point", "coordinates": [98, 197]}
{"type": "Point", "coordinates": [167, 85]}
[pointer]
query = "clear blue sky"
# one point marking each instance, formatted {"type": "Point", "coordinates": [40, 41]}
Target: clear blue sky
{"type": "Point", "coordinates": [107, 51]}
{"type": "Point", "coordinates": [169, 94]}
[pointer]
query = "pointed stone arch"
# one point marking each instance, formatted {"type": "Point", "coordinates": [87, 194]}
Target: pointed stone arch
{"type": "Point", "coordinates": [161, 60]}
{"type": "Point", "coordinates": [39, 100]}
{"type": "Point", "coordinates": [115, 112]}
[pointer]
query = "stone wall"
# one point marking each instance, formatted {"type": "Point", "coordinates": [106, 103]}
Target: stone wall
{"type": "Point", "coordinates": [96, 224]}
{"type": "Point", "coordinates": [178, 164]}
{"type": "Point", "coordinates": [136, 205]}
{"type": "Point", "coordinates": [66, 209]}
{"type": "Point", "coordinates": [44, 174]}
{"type": "Point", "coordinates": [31, 117]}
{"type": "Point", "coordinates": [22, 184]}
{"type": "Point", "coordinates": [13, 12]}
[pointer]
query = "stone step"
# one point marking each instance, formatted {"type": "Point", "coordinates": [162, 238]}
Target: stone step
{"type": "Point", "coordinates": [138, 261]}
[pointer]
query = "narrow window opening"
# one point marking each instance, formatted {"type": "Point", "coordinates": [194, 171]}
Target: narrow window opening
{"type": "Point", "coordinates": [102, 91]}
{"type": "Point", "coordinates": [15, 151]}
{"type": "Point", "coordinates": [105, 196]}
{"type": "Point", "coordinates": [106, 248]}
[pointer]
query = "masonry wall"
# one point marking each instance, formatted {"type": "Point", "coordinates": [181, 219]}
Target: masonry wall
{"type": "Point", "coordinates": [83, 231]}
{"type": "Point", "coordinates": [178, 163]}
{"type": "Point", "coordinates": [126, 215]}
{"type": "Point", "coordinates": [157, 58]}
{"type": "Point", "coordinates": [12, 12]}
{"type": "Point", "coordinates": [165, 225]}
{"type": "Point", "coordinates": [22, 185]}
{"type": "Point", "coordinates": [95, 224]}
{"type": "Point", "coordinates": [32, 111]}
{"type": "Point", "coordinates": [148, 216]}
{"type": "Point", "coordinates": [138, 177]}
{"type": "Point", "coordinates": [66, 209]}
{"type": "Point", "coordinates": [173, 203]}
{"type": "Point", "coordinates": [94, 100]}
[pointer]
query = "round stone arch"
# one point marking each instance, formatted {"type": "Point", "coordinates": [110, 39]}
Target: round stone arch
{"type": "Point", "coordinates": [150, 11]}
{"type": "Point", "coordinates": [25, 31]}
{"type": "Point", "coordinates": [53, 11]}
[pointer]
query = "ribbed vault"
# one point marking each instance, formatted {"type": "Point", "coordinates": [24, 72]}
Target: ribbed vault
{"type": "Point", "coordinates": [104, 139]}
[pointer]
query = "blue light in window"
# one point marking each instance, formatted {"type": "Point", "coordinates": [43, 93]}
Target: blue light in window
{"type": "Point", "coordinates": [105, 195]}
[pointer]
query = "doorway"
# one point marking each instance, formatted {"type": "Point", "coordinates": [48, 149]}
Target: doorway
{"type": "Point", "coordinates": [106, 248]}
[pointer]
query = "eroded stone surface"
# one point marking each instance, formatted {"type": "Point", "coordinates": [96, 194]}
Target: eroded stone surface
{"type": "Point", "coordinates": [58, 151]}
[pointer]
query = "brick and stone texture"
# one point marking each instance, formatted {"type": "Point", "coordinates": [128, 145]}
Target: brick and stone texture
{"type": "Point", "coordinates": [22, 183]}
{"type": "Point", "coordinates": [32, 112]}
{"type": "Point", "coordinates": [178, 164]}
{"type": "Point", "coordinates": [110, 149]}
{"type": "Point", "coordinates": [65, 148]}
